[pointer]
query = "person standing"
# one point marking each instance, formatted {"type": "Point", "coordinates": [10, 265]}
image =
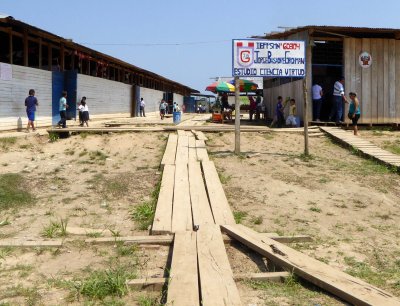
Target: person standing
{"type": "Point", "coordinates": [31, 102]}
{"type": "Point", "coordinates": [280, 117]}
{"type": "Point", "coordinates": [142, 106]}
{"type": "Point", "coordinates": [291, 119]}
{"type": "Point", "coordinates": [163, 108]}
{"type": "Point", "coordinates": [252, 107]}
{"type": "Point", "coordinates": [354, 111]}
{"type": "Point", "coordinates": [80, 109]}
{"type": "Point", "coordinates": [338, 99]}
{"type": "Point", "coordinates": [317, 94]}
{"type": "Point", "coordinates": [85, 113]}
{"type": "Point", "coordinates": [63, 110]}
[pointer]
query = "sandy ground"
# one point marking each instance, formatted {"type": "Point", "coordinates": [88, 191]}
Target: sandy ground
{"type": "Point", "coordinates": [348, 205]}
{"type": "Point", "coordinates": [92, 182]}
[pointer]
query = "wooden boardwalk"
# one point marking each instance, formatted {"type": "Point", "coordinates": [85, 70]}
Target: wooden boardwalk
{"type": "Point", "coordinates": [364, 146]}
{"type": "Point", "coordinates": [193, 206]}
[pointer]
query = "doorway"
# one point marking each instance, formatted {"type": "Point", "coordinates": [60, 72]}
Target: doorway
{"type": "Point", "coordinates": [327, 68]}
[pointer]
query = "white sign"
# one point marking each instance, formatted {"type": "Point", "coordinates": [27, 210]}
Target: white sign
{"type": "Point", "coordinates": [268, 58]}
{"type": "Point", "coordinates": [365, 59]}
{"type": "Point", "coordinates": [5, 72]}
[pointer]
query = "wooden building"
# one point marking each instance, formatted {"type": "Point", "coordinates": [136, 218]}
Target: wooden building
{"type": "Point", "coordinates": [333, 52]}
{"type": "Point", "coordinates": [34, 58]}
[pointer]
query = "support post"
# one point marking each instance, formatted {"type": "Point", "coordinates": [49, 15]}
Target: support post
{"type": "Point", "coordinates": [305, 117]}
{"type": "Point", "coordinates": [237, 116]}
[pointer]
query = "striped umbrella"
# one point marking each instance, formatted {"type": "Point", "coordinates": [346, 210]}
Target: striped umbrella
{"type": "Point", "coordinates": [246, 85]}
{"type": "Point", "coordinates": [220, 87]}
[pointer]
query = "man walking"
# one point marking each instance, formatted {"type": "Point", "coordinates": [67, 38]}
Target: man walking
{"type": "Point", "coordinates": [317, 94]}
{"type": "Point", "coordinates": [338, 99]}
{"type": "Point", "coordinates": [142, 105]}
{"type": "Point", "coordinates": [63, 110]}
{"type": "Point", "coordinates": [31, 102]}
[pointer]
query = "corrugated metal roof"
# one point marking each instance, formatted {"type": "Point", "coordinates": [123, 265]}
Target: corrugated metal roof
{"type": "Point", "coordinates": [346, 31]}
{"type": "Point", "coordinates": [68, 42]}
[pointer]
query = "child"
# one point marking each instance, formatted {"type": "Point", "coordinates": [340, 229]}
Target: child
{"type": "Point", "coordinates": [163, 107]}
{"type": "Point", "coordinates": [279, 117]}
{"type": "Point", "coordinates": [85, 113]}
{"type": "Point", "coordinates": [80, 108]}
{"type": "Point", "coordinates": [291, 119]}
{"type": "Point", "coordinates": [354, 111]}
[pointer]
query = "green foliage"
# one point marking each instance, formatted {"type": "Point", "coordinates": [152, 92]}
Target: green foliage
{"type": "Point", "coordinates": [13, 191]}
{"type": "Point", "coordinates": [143, 213]}
{"type": "Point", "coordinates": [145, 300]}
{"type": "Point", "coordinates": [53, 137]}
{"type": "Point", "coordinates": [55, 229]}
{"type": "Point", "coordinates": [315, 209]}
{"type": "Point", "coordinates": [239, 216]}
{"type": "Point", "coordinates": [6, 142]}
{"type": "Point", "coordinates": [257, 220]}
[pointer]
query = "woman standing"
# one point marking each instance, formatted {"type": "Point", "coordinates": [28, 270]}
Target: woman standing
{"type": "Point", "coordinates": [354, 111]}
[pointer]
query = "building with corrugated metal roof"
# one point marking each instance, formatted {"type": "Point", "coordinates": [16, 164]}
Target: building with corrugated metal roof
{"type": "Point", "coordinates": [368, 58]}
{"type": "Point", "coordinates": [34, 58]}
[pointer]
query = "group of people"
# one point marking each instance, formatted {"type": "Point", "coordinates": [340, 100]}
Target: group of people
{"type": "Point", "coordinates": [338, 102]}
{"type": "Point", "coordinates": [279, 119]}
{"type": "Point", "coordinates": [256, 107]}
{"type": "Point", "coordinates": [31, 103]}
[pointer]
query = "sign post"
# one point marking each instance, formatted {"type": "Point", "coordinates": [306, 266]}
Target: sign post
{"type": "Point", "coordinates": [272, 59]}
{"type": "Point", "coordinates": [237, 116]}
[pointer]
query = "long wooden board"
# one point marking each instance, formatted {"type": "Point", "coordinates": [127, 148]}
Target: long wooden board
{"type": "Point", "coordinates": [181, 212]}
{"type": "Point", "coordinates": [30, 243]}
{"type": "Point", "coordinates": [183, 287]}
{"type": "Point", "coordinates": [182, 150]}
{"type": "Point", "coordinates": [216, 278]}
{"type": "Point", "coordinates": [170, 150]}
{"type": "Point", "coordinates": [201, 209]}
{"type": "Point", "coordinates": [201, 151]}
{"type": "Point", "coordinates": [162, 223]}
{"type": "Point", "coordinates": [218, 201]}
{"type": "Point", "coordinates": [158, 240]}
{"type": "Point", "coordinates": [349, 288]}
{"type": "Point", "coordinates": [192, 149]}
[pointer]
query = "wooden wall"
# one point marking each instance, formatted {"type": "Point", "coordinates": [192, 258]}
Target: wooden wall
{"type": "Point", "coordinates": [13, 93]}
{"type": "Point", "coordinates": [378, 87]}
{"type": "Point", "coordinates": [293, 89]}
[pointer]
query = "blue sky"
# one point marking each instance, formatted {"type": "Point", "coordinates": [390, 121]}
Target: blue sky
{"type": "Point", "coordinates": [188, 41]}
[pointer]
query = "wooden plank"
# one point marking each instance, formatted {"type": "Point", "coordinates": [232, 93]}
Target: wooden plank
{"type": "Point", "coordinates": [374, 82]}
{"type": "Point", "coordinates": [348, 60]}
{"type": "Point", "coordinates": [158, 240]}
{"type": "Point", "coordinates": [358, 73]}
{"type": "Point", "coordinates": [30, 243]}
{"type": "Point", "coordinates": [380, 67]}
{"type": "Point", "coordinates": [276, 237]}
{"type": "Point", "coordinates": [192, 149]}
{"type": "Point", "coordinates": [157, 283]}
{"type": "Point", "coordinates": [181, 212]}
{"type": "Point", "coordinates": [201, 150]}
{"type": "Point", "coordinates": [348, 288]}
{"type": "Point", "coordinates": [385, 80]}
{"type": "Point", "coordinates": [182, 150]}
{"type": "Point", "coordinates": [200, 135]}
{"type": "Point", "coordinates": [397, 105]}
{"type": "Point", "coordinates": [183, 288]}
{"type": "Point", "coordinates": [218, 201]}
{"type": "Point", "coordinates": [201, 209]}
{"type": "Point", "coordinates": [392, 81]}
{"type": "Point", "coordinates": [170, 150]}
{"type": "Point", "coordinates": [366, 105]}
{"type": "Point", "coordinates": [216, 277]}
{"type": "Point", "coordinates": [162, 222]}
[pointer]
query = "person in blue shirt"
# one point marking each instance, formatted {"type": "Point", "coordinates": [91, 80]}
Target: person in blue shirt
{"type": "Point", "coordinates": [354, 111]}
{"type": "Point", "coordinates": [63, 110]}
{"type": "Point", "coordinates": [31, 102]}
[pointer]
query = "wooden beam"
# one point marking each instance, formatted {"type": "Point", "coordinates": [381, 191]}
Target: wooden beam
{"type": "Point", "coordinates": [219, 204]}
{"type": "Point", "coordinates": [162, 222]}
{"type": "Point", "coordinates": [62, 57]}
{"type": "Point", "coordinates": [30, 243]}
{"type": "Point", "coordinates": [158, 240]}
{"type": "Point", "coordinates": [11, 47]}
{"type": "Point", "coordinates": [26, 49]}
{"type": "Point", "coordinates": [183, 288]}
{"type": "Point", "coordinates": [157, 283]}
{"type": "Point", "coordinates": [348, 288]}
{"type": "Point", "coordinates": [170, 150]}
{"type": "Point", "coordinates": [201, 209]}
{"type": "Point", "coordinates": [215, 274]}
{"type": "Point", "coordinates": [40, 53]}
{"type": "Point", "coordinates": [182, 211]}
